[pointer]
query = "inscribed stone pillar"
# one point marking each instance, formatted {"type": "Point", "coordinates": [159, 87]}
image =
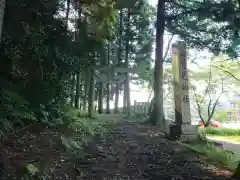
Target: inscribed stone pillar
{"type": "Point", "coordinates": [182, 124]}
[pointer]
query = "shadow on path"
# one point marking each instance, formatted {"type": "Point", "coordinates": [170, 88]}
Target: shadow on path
{"type": "Point", "coordinates": [132, 151]}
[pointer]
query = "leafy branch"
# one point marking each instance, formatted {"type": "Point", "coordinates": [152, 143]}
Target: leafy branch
{"type": "Point", "coordinates": [221, 68]}
{"type": "Point", "coordinates": [211, 107]}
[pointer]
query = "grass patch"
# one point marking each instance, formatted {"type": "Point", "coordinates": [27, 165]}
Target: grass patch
{"type": "Point", "coordinates": [220, 131]}
{"type": "Point", "coordinates": [233, 139]}
{"type": "Point", "coordinates": [216, 155]}
{"type": "Point", "coordinates": [136, 117]}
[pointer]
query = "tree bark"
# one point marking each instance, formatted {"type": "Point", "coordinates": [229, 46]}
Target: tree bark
{"type": "Point", "coordinates": [126, 97]}
{"type": "Point", "coordinates": [116, 102]}
{"type": "Point", "coordinates": [86, 89]}
{"type": "Point", "coordinates": [108, 83]}
{"type": "Point", "coordinates": [67, 11]}
{"type": "Point", "coordinates": [91, 94]}
{"type": "Point", "coordinates": [73, 84]}
{"type": "Point", "coordinates": [81, 91]}
{"type": "Point", "coordinates": [2, 10]}
{"type": "Point", "coordinates": [119, 60]}
{"type": "Point", "coordinates": [77, 98]}
{"type": "Point", "coordinates": [103, 62]}
{"type": "Point", "coordinates": [157, 117]}
{"type": "Point", "coordinates": [100, 98]}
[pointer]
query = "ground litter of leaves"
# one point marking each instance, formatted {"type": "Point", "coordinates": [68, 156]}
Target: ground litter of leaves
{"type": "Point", "coordinates": [127, 151]}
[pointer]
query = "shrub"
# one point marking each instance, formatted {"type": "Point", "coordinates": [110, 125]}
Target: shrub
{"type": "Point", "coordinates": [220, 131]}
{"type": "Point", "coordinates": [14, 110]}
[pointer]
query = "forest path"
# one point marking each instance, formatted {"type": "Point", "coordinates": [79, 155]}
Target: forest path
{"type": "Point", "coordinates": [133, 151]}
{"type": "Point", "coordinates": [127, 150]}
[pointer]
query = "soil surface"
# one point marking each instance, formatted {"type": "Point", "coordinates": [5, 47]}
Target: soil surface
{"type": "Point", "coordinates": [141, 152]}
{"type": "Point", "coordinates": [127, 151]}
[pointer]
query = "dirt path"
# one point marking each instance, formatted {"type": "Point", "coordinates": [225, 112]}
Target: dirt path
{"type": "Point", "coordinates": [132, 151]}
{"type": "Point", "coordinates": [126, 151]}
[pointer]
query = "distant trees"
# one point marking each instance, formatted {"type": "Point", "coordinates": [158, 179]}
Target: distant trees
{"type": "Point", "coordinates": [52, 53]}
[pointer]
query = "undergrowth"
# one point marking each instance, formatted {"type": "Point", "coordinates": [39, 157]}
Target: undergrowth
{"type": "Point", "coordinates": [85, 129]}
{"type": "Point", "coordinates": [14, 111]}
{"type": "Point", "coordinates": [69, 137]}
{"type": "Point", "coordinates": [217, 155]}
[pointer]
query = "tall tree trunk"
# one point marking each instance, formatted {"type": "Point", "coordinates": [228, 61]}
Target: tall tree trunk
{"type": "Point", "coordinates": [100, 98]}
{"type": "Point", "coordinates": [72, 79]}
{"type": "Point", "coordinates": [67, 11]}
{"type": "Point", "coordinates": [116, 102]}
{"type": "Point", "coordinates": [77, 98]}
{"type": "Point", "coordinates": [2, 10]}
{"type": "Point", "coordinates": [86, 89]}
{"type": "Point", "coordinates": [96, 95]}
{"type": "Point", "coordinates": [108, 82]}
{"type": "Point", "coordinates": [73, 84]}
{"type": "Point", "coordinates": [91, 94]}
{"type": "Point", "coordinates": [81, 90]}
{"type": "Point", "coordinates": [101, 84]}
{"type": "Point", "coordinates": [157, 117]}
{"type": "Point", "coordinates": [126, 97]}
{"type": "Point", "coordinates": [119, 60]}
{"type": "Point", "coordinates": [128, 100]}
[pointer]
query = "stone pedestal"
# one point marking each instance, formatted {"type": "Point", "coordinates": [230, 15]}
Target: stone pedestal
{"type": "Point", "coordinates": [189, 132]}
{"type": "Point", "coordinates": [185, 132]}
{"type": "Point", "coordinates": [182, 126]}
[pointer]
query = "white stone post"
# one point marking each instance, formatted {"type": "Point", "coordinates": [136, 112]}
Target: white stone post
{"type": "Point", "coordinates": [181, 95]}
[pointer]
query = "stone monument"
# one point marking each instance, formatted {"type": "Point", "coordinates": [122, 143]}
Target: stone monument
{"type": "Point", "coordinates": [182, 126]}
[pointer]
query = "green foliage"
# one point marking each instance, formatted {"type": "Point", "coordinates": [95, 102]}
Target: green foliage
{"type": "Point", "coordinates": [207, 24]}
{"type": "Point", "coordinates": [31, 169]}
{"type": "Point", "coordinates": [139, 117]}
{"type": "Point", "coordinates": [221, 115]}
{"type": "Point", "coordinates": [14, 110]}
{"type": "Point", "coordinates": [33, 173]}
{"type": "Point", "coordinates": [220, 131]}
{"type": "Point", "coordinates": [141, 41]}
{"type": "Point", "coordinates": [39, 60]}
{"type": "Point", "coordinates": [215, 83]}
{"type": "Point", "coordinates": [40, 57]}
{"type": "Point", "coordinates": [229, 68]}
